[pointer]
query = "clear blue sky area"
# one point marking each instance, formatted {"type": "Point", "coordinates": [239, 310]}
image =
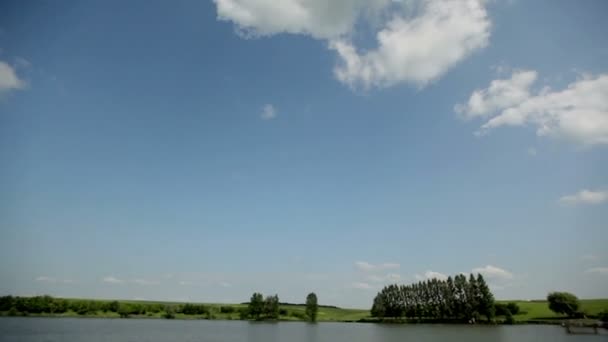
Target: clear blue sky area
{"type": "Point", "coordinates": [204, 150]}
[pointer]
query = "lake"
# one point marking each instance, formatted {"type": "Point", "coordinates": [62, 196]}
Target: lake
{"type": "Point", "coordinates": [136, 330]}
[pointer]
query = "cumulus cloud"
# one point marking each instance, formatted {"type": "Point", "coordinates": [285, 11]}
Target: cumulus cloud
{"type": "Point", "coordinates": [431, 275]}
{"type": "Point", "coordinates": [493, 272]}
{"type": "Point", "coordinates": [584, 197]}
{"type": "Point", "coordinates": [417, 41]}
{"type": "Point", "coordinates": [578, 113]}
{"type": "Point", "coordinates": [368, 267]}
{"type": "Point", "coordinates": [598, 270]}
{"type": "Point", "coordinates": [268, 112]}
{"type": "Point", "coordinates": [112, 280]}
{"type": "Point", "coordinates": [417, 50]}
{"type": "Point", "coordinates": [500, 94]}
{"type": "Point", "coordinates": [9, 80]}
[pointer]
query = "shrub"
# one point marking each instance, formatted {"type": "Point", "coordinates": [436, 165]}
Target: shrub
{"type": "Point", "coordinates": [227, 309]}
{"type": "Point", "coordinates": [563, 303]}
{"type": "Point", "coordinates": [283, 312]}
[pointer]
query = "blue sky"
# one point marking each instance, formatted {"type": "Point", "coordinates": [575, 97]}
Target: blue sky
{"type": "Point", "coordinates": [201, 151]}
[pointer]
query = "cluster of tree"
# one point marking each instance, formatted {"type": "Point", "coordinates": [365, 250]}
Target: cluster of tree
{"type": "Point", "coordinates": [452, 299]}
{"type": "Point", "coordinates": [268, 308]}
{"type": "Point", "coordinates": [263, 308]}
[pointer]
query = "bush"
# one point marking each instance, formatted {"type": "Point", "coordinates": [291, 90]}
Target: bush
{"type": "Point", "coordinates": [169, 314]}
{"type": "Point", "coordinates": [513, 308]}
{"type": "Point", "coordinates": [283, 312]}
{"type": "Point", "coordinates": [244, 313]}
{"type": "Point", "coordinates": [563, 303]}
{"type": "Point", "coordinates": [227, 309]}
{"type": "Point", "coordinates": [193, 309]}
{"type": "Point", "coordinates": [603, 316]}
{"type": "Point", "coordinates": [298, 314]}
{"type": "Point", "coordinates": [509, 318]}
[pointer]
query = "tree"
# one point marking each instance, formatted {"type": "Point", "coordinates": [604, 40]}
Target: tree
{"type": "Point", "coordinates": [271, 307]}
{"type": "Point", "coordinates": [312, 306]}
{"type": "Point", "coordinates": [378, 308]}
{"type": "Point", "coordinates": [563, 303]}
{"type": "Point", "coordinates": [256, 305]}
{"type": "Point", "coordinates": [485, 299]}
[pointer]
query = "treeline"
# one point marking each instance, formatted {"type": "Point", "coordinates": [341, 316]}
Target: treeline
{"type": "Point", "coordinates": [258, 308]}
{"type": "Point", "coordinates": [456, 298]}
{"type": "Point", "coordinates": [49, 305]}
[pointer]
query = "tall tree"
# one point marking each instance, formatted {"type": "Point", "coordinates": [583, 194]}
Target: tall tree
{"type": "Point", "coordinates": [485, 300]}
{"type": "Point", "coordinates": [256, 305]}
{"type": "Point", "coordinates": [312, 307]}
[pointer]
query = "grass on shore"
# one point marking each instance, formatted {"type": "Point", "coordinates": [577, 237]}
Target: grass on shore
{"type": "Point", "coordinates": [530, 312]}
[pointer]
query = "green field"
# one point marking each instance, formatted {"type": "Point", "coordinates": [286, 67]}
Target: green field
{"type": "Point", "coordinates": [539, 310]}
{"type": "Point", "coordinates": [530, 311]}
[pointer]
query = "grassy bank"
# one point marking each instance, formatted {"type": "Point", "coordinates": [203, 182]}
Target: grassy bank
{"type": "Point", "coordinates": [530, 311]}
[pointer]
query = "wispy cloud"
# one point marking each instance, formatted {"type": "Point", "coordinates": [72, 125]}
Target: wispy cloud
{"type": "Point", "coordinates": [224, 284]}
{"type": "Point", "coordinates": [431, 275]}
{"type": "Point", "coordinates": [144, 282]}
{"type": "Point", "coordinates": [493, 272]}
{"type": "Point", "coordinates": [269, 112]}
{"type": "Point", "coordinates": [368, 267]}
{"type": "Point", "coordinates": [46, 279]}
{"type": "Point", "coordinates": [387, 278]}
{"type": "Point", "coordinates": [589, 257]}
{"type": "Point", "coordinates": [185, 283]}
{"type": "Point", "coordinates": [112, 280]}
{"type": "Point", "coordinates": [584, 197]}
{"type": "Point", "coordinates": [361, 286]}
{"type": "Point", "coordinates": [598, 270]}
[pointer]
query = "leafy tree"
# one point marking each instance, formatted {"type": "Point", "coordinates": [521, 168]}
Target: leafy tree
{"type": "Point", "coordinates": [271, 307]}
{"type": "Point", "coordinates": [312, 307]}
{"type": "Point", "coordinates": [563, 303]}
{"type": "Point", "coordinates": [256, 305]}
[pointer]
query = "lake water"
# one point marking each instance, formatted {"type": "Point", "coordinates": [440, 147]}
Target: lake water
{"type": "Point", "coordinates": [136, 330]}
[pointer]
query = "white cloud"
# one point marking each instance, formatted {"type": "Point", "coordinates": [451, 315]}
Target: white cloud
{"type": "Point", "coordinates": [144, 282]}
{"type": "Point", "coordinates": [224, 284]}
{"type": "Point", "coordinates": [493, 272]}
{"type": "Point", "coordinates": [112, 280]}
{"type": "Point", "coordinates": [532, 151]}
{"type": "Point", "coordinates": [320, 19]}
{"type": "Point", "coordinates": [268, 112]}
{"type": "Point", "coordinates": [417, 40]}
{"type": "Point", "coordinates": [185, 283]}
{"type": "Point", "coordinates": [416, 50]}
{"type": "Point", "coordinates": [367, 267]}
{"type": "Point", "coordinates": [361, 286]}
{"type": "Point", "coordinates": [9, 80]}
{"type": "Point", "coordinates": [46, 279]}
{"type": "Point", "coordinates": [578, 113]}
{"type": "Point", "coordinates": [598, 270]}
{"type": "Point", "coordinates": [431, 275]}
{"type": "Point", "coordinates": [388, 278]}
{"type": "Point", "coordinates": [500, 94]}
{"type": "Point", "coordinates": [589, 257]}
{"type": "Point", "coordinates": [584, 197]}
